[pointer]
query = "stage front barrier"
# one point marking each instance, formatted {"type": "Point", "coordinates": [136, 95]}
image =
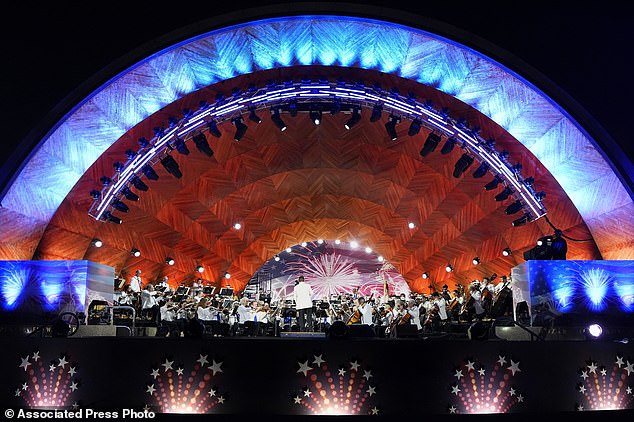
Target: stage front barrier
{"type": "Point", "coordinates": [574, 292]}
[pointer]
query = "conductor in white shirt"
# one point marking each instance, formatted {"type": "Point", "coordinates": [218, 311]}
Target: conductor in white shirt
{"type": "Point", "coordinates": [303, 295]}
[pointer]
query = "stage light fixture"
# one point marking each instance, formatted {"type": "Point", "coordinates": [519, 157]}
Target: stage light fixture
{"type": "Point", "coordinates": [227, 275]}
{"type": "Point", "coordinates": [200, 140]}
{"type": "Point", "coordinates": [414, 127]}
{"type": "Point", "coordinates": [171, 166]}
{"type": "Point", "coordinates": [289, 250]}
{"type": "Point", "coordinates": [390, 127]}
{"type": "Point", "coordinates": [504, 194]}
{"type": "Point", "coordinates": [105, 180]}
{"type": "Point", "coordinates": [481, 171]}
{"type": "Point", "coordinates": [130, 154]}
{"type": "Point", "coordinates": [522, 220]}
{"type": "Point", "coordinates": [135, 252]}
{"type": "Point", "coordinates": [143, 142]}
{"type": "Point", "coordinates": [377, 110]}
{"type": "Point", "coordinates": [507, 252]}
{"type": "Point", "coordinates": [138, 183]}
{"type": "Point", "coordinates": [213, 129]}
{"type": "Point", "coordinates": [129, 195]}
{"type": "Point", "coordinates": [529, 181]}
{"type": "Point", "coordinates": [353, 120]}
{"type": "Point", "coordinates": [117, 166]}
{"type": "Point", "coordinates": [493, 183]}
{"type": "Point", "coordinates": [149, 172]}
{"type": "Point", "coordinates": [320, 241]}
{"type": "Point", "coordinates": [432, 141]}
{"type": "Point", "coordinates": [462, 164]}
{"type": "Point", "coordinates": [95, 194]}
{"type": "Point", "coordinates": [425, 275]}
{"type": "Point", "coordinates": [180, 146]}
{"type": "Point", "coordinates": [200, 269]}
{"type": "Point", "coordinates": [368, 249]}
{"type": "Point", "coordinates": [513, 208]}
{"type": "Point", "coordinates": [113, 219]}
{"type": "Point", "coordinates": [276, 258]}
{"type": "Point", "coordinates": [540, 195]}
{"type": "Point", "coordinates": [315, 116]}
{"type": "Point", "coordinates": [119, 205]}
{"type": "Point", "coordinates": [337, 242]}
{"type": "Point", "coordinates": [277, 119]}
{"type": "Point", "coordinates": [411, 225]}
{"type": "Point", "coordinates": [237, 226]}
{"type": "Point", "coordinates": [254, 117]}
{"type": "Point", "coordinates": [304, 244]}
{"type": "Point", "coordinates": [169, 260]}
{"type": "Point", "coordinates": [449, 268]}
{"type": "Point", "coordinates": [594, 330]}
{"type": "Point", "coordinates": [97, 243]}
{"type": "Point", "coordinates": [241, 128]}
{"type": "Point", "coordinates": [450, 143]}
{"type": "Point", "coordinates": [476, 261]}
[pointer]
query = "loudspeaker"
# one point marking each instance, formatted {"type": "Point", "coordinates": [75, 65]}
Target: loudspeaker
{"type": "Point", "coordinates": [407, 331]}
{"type": "Point", "coordinates": [360, 330]}
{"type": "Point", "coordinates": [478, 331]}
{"type": "Point", "coordinates": [338, 330]}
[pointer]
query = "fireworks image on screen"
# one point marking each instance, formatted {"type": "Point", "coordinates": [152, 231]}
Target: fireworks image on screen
{"type": "Point", "coordinates": [348, 389]}
{"type": "Point", "coordinates": [51, 385]}
{"type": "Point", "coordinates": [175, 389]}
{"type": "Point", "coordinates": [478, 389]}
{"type": "Point", "coordinates": [606, 387]}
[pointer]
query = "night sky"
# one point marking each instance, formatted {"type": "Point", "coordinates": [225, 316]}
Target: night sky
{"type": "Point", "coordinates": [49, 50]}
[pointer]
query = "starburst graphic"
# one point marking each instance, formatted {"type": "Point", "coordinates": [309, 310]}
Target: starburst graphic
{"type": "Point", "coordinates": [479, 389]}
{"type": "Point", "coordinates": [348, 389]}
{"type": "Point", "coordinates": [51, 384]}
{"type": "Point", "coordinates": [606, 387]}
{"type": "Point", "coordinates": [174, 389]}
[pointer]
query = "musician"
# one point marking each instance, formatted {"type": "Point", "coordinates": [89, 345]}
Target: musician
{"type": "Point", "coordinates": [124, 297]}
{"type": "Point", "coordinates": [303, 295]}
{"type": "Point", "coordinates": [136, 283]}
{"type": "Point", "coordinates": [414, 310]}
{"type": "Point", "coordinates": [475, 290]}
{"type": "Point", "coordinates": [163, 285]}
{"type": "Point", "coordinates": [441, 307]}
{"type": "Point", "coordinates": [167, 325]}
{"type": "Point", "coordinates": [366, 310]}
{"type": "Point", "coordinates": [149, 304]}
{"type": "Point", "coordinates": [445, 293]}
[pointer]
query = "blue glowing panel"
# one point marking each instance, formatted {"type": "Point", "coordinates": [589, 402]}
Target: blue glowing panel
{"type": "Point", "coordinates": [88, 130]}
{"type": "Point", "coordinates": [576, 287]}
{"type": "Point", "coordinates": [31, 289]}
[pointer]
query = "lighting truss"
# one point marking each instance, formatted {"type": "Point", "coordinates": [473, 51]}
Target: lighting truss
{"type": "Point", "coordinates": [304, 97]}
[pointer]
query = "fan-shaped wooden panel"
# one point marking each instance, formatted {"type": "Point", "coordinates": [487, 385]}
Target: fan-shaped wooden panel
{"type": "Point", "coordinates": [312, 182]}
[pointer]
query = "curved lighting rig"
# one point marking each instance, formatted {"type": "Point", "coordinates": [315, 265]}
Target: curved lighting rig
{"type": "Point", "coordinates": [323, 97]}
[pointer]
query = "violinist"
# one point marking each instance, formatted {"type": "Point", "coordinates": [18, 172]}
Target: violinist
{"type": "Point", "coordinates": [414, 311]}
{"type": "Point", "coordinates": [149, 303]}
{"type": "Point", "coordinates": [475, 290]}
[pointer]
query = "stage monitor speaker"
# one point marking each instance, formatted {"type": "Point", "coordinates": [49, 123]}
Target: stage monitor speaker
{"type": "Point", "coordinates": [407, 331]}
{"type": "Point", "coordinates": [338, 330]}
{"type": "Point", "coordinates": [478, 331]}
{"type": "Point", "coordinates": [360, 330]}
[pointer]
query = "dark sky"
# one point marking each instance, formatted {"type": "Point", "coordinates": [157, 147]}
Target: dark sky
{"type": "Point", "coordinates": [50, 49]}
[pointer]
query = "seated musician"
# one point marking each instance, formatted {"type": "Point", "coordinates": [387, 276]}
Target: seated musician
{"type": "Point", "coordinates": [244, 313]}
{"type": "Point", "coordinates": [414, 311]}
{"type": "Point", "coordinates": [125, 296]}
{"type": "Point", "coordinates": [167, 324]}
{"type": "Point", "coordinates": [441, 308]}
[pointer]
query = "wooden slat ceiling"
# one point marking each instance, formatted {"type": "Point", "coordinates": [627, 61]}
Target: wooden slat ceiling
{"type": "Point", "coordinates": [312, 182]}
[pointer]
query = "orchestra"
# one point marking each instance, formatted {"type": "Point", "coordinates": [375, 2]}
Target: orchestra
{"type": "Point", "coordinates": [175, 311]}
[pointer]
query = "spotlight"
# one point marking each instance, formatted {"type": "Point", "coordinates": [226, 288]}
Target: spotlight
{"type": "Point", "coordinates": [390, 127]}
{"type": "Point", "coordinates": [130, 154]}
{"type": "Point", "coordinates": [320, 241]}
{"type": "Point", "coordinates": [117, 166]}
{"type": "Point", "coordinates": [448, 147]}
{"type": "Point", "coordinates": [462, 165]}
{"type": "Point", "coordinates": [180, 146]}
{"type": "Point", "coordinates": [425, 275]}
{"type": "Point", "coordinates": [506, 251]}
{"type": "Point", "coordinates": [201, 143]}
{"type": "Point", "coordinates": [530, 181]}
{"type": "Point", "coordinates": [129, 195]}
{"type": "Point", "coordinates": [277, 119]}
{"type": "Point", "coordinates": [105, 180]}
{"type": "Point", "coordinates": [138, 183]}
{"type": "Point", "coordinates": [493, 183]}
{"type": "Point", "coordinates": [95, 194]}
{"type": "Point", "coordinates": [143, 142]}
{"type": "Point", "coordinates": [540, 195]}
{"type": "Point", "coordinates": [200, 269]}
{"type": "Point", "coordinates": [368, 249]}
{"type": "Point", "coordinates": [171, 166]}
{"type": "Point", "coordinates": [337, 241]}
{"type": "Point", "coordinates": [376, 113]}
{"type": "Point", "coordinates": [380, 258]}
{"type": "Point", "coordinates": [353, 120]}
{"type": "Point", "coordinates": [522, 220]}
{"type": "Point", "coordinates": [135, 252]}
{"type": "Point", "coordinates": [97, 243]}
{"type": "Point", "coordinates": [304, 244]}
{"type": "Point", "coordinates": [513, 208]}
{"type": "Point", "coordinates": [241, 128]}
{"type": "Point", "coordinates": [213, 129]}
{"type": "Point", "coordinates": [254, 117]}
{"type": "Point", "coordinates": [449, 268]}
{"type": "Point", "coordinates": [315, 116]}
{"type": "Point", "coordinates": [119, 205]}
{"type": "Point", "coordinates": [504, 194]}
{"type": "Point", "coordinates": [227, 275]}
{"type": "Point", "coordinates": [289, 250]}
{"type": "Point", "coordinates": [149, 172]}
{"type": "Point", "coordinates": [476, 261]}
{"type": "Point", "coordinates": [354, 244]}
{"type": "Point", "coordinates": [237, 226]}
{"type": "Point", "coordinates": [594, 330]}
{"type": "Point", "coordinates": [481, 171]}
{"type": "Point", "coordinates": [414, 127]}
{"type": "Point", "coordinates": [113, 219]}
{"type": "Point", "coordinates": [411, 225]}
{"type": "Point", "coordinates": [431, 143]}
{"type": "Point", "coordinates": [277, 258]}
{"type": "Point", "coordinates": [169, 260]}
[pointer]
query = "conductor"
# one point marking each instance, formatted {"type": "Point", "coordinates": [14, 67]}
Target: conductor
{"type": "Point", "coordinates": [303, 295]}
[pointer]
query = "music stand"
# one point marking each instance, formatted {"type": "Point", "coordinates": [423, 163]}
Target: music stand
{"type": "Point", "coordinates": [226, 291]}
{"type": "Point", "coordinates": [209, 290]}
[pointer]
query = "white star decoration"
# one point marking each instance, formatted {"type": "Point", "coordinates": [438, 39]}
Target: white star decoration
{"type": "Point", "coordinates": [75, 405]}
{"type": "Point", "coordinates": [455, 390]}
{"type": "Point", "coordinates": [452, 409]}
{"type": "Point", "coordinates": [155, 373]}
{"type": "Point", "coordinates": [520, 398]}
{"type": "Point", "coordinates": [167, 365]}
{"type": "Point", "coordinates": [514, 367]}
{"type": "Point", "coordinates": [202, 360]}
{"type": "Point", "coordinates": [25, 363]}
{"type": "Point", "coordinates": [25, 386]}
{"type": "Point", "coordinates": [580, 408]}
{"type": "Point", "coordinates": [628, 390]}
{"type": "Point", "coordinates": [584, 374]}
{"type": "Point", "coordinates": [307, 393]}
{"type": "Point", "coordinates": [512, 392]}
{"type": "Point", "coordinates": [297, 399]}
{"type": "Point", "coordinates": [469, 366]}
{"type": "Point", "coordinates": [150, 389]}
{"type": "Point", "coordinates": [592, 367]}
{"type": "Point", "coordinates": [304, 368]}
{"type": "Point", "coordinates": [52, 367]}
{"type": "Point", "coordinates": [501, 360]}
{"type": "Point", "coordinates": [221, 400]}
{"type": "Point", "coordinates": [458, 374]}
{"type": "Point", "coordinates": [582, 389]}
{"type": "Point", "coordinates": [342, 372]}
{"type": "Point", "coordinates": [212, 392]}
{"type": "Point", "coordinates": [629, 368]}
{"type": "Point", "coordinates": [318, 360]}
{"type": "Point", "coordinates": [73, 386]}
{"type": "Point", "coordinates": [481, 371]}
{"type": "Point", "coordinates": [72, 371]}
{"type": "Point", "coordinates": [354, 366]}
{"type": "Point", "coordinates": [36, 356]}
{"type": "Point", "coordinates": [603, 372]}
{"type": "Point", "coordinates": [179, 371]}
{"type": "Point", "coordinates": [17, 392]}
{"type": "Point", "coordinates": [215, 367]}
{"type": "Point", "coordinates": [371, 390]}
{"type": "Point", "coordinates": [62, 361]}
{"type": "Point", "coordinates": [375, 411]}
{"type": "Point", "coordinates": [367, 375]}
{"type": "Point", "coordinates": [619, 361]}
